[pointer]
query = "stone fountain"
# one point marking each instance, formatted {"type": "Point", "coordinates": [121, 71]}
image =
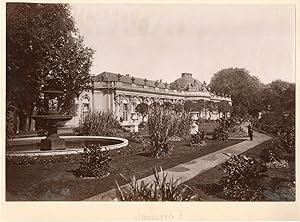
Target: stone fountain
{"type": "Point", "coordinates": [52, 117]}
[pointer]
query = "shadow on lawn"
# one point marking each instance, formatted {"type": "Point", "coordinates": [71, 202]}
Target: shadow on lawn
{"type": "Point", "coordinates": [145, 154]}
{"type": "Point", "coordinates": [75, 172]}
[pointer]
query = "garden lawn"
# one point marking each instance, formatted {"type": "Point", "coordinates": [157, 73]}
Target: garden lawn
{"type": "Point", "coordinates": [60, 181]}
{"type": "Point", "coordinates": [278, 181]}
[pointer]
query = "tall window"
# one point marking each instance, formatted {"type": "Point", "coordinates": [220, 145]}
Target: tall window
{"type": "Point", "coordinates": [125, 112]}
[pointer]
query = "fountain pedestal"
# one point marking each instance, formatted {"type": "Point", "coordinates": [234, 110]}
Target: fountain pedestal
{"type": "Point", "coordinates": [53, 141]}
{"type": "Point", "coordinates": [50, 97]}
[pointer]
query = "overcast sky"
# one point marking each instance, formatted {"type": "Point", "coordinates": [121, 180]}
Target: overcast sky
{"type": "Point", "coordinates": [162, 41]}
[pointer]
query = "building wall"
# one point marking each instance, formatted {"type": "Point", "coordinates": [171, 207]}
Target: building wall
{"type": "Point", "coordinates": [101, 101]}
{"type": "Point", "coordinates": [123, 98]}
{"type": "Point", "coordinates": [83, 104]}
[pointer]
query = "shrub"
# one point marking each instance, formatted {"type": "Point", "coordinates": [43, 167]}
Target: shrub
{"type": "Point", "coordinates": [163, 124]}
{"type": "Point", "coordinates": [272, 152]}
{"type": "Point", "coordinates": [161, 189]}
{"type": "Point", "coordinates": [142, 142]}
{"type": "Point", "coordinates": [243, 178]}
{"type": "Point", "coordinates": [220, 133]}
{"type": "Point", "coordinates": [277, 164]}
{"type": "Point", "coordinates": [94, 161]}
{"type": "Point", "coordinates": [276, 122]}
{"type": "Point", "coordinates": [135, 137]}
{"type": "Point", "coordinates": [98, 124]}
{"type": "Point", "coordinates": [287, 138]}
{"type": "Point", "coordinates": [237, 131]}
{"type": "Point", "coordinates": [198, 139]}
{"type": "Point", "coordinates": [275, 148]}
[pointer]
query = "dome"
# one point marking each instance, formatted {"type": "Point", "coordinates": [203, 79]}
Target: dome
{"type": "Point", "coordinates": [187, 83]}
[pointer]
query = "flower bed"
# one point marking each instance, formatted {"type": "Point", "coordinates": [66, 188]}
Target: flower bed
{"type": "Point", "coordinates": [278, 184]}
{"type": "Point", "coordinates": [237, 132]}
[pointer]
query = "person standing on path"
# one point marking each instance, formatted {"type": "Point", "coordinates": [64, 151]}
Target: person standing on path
{"type": "Point", "coordinates": [250, 131]}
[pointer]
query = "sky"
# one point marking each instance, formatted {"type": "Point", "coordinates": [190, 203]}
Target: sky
{"type": "Point", "coordinates": [161, 41]}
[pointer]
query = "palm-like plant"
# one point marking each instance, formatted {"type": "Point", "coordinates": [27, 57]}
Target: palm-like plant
{"type": "Point", "coordinates": [160, 189]}
{"type": "Point", "coordinates": [164, 123]}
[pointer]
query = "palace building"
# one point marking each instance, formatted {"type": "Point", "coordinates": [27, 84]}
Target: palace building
{"type": "Point", "coordinates": [122, 93]}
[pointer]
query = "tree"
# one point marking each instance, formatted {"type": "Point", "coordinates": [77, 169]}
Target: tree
{"type": "Point", "coordinates": [207, 106]}
{"type": "Point", "coordinates": [211, 108]}
{"type": "Point", "coordinates": [240, 111]}
{"type": "Point", "coordinates": [223, 108]}
{"type": "Point", "coordinates": [143, 109]}
{"type": "Point", "coordinates": [204, 105]}
{"type": "Point", "coordinates": [178, 107]}
{"type": "Point", "coordinates": [279, 96]}
{"type": "Point", "coordinates": [42, 39]}
{"type": "Point", "coordinates": [243, 88]}
{"type": "Point", "coordinates": [289, 99]}
{"type": "Point", "coordinates": [190, 106]}
{"type": "Point", "coordinates": [168, 105]}
{"type": "Point", "coordinates": [278, 102]}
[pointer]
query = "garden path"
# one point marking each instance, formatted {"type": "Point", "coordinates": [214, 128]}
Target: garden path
{"type": "Point", "coordinates": [190, 169]}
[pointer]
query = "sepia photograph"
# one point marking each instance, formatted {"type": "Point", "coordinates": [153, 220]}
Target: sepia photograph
{"type": "Point", "coordinates": [150, 102]}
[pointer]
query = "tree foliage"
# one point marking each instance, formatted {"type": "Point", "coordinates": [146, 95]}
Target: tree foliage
{"type": "Point", "coordinates": [42, 39]}
{"type": "Point", "coordinates": [190, 106]}
{"type": "Point", "coordinates": [279, 95]}
{"type": "Point", "coordinates": [242, 87]}
{"type": "Point", "coordinates": [199, 105]}
{"type": "Point", "coordinates": [142, 109]}
{"type": "Point", "coordinates": [278, 102]}
{"type": "Point", "coordinates": [224, 107]}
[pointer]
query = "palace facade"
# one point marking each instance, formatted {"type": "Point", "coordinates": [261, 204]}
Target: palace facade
{"type": "Point", "coordinates": [122, 93]}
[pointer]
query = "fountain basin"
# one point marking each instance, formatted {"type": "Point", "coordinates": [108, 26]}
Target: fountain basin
{"type": "Point", "coordinates": [74, 145]}
{"type": "Point", "coordinates": [53, 117]}
{"type": "Point", "coordinates": [53, 141]}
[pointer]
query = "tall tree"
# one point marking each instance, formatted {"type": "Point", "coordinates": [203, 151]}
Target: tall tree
{"type": "Point", "coordinates": [42, 39]}
{"type": "Point", "coordinates": [279, 96]}
{"type": "Point", "coordinates": [223, 108]}
{"type": "Point", "coordinates": [143, 109]}
{"type": "Point", "coordinates": [243, 88]}
{"type": "Point", "coordinates": [278, 102]}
